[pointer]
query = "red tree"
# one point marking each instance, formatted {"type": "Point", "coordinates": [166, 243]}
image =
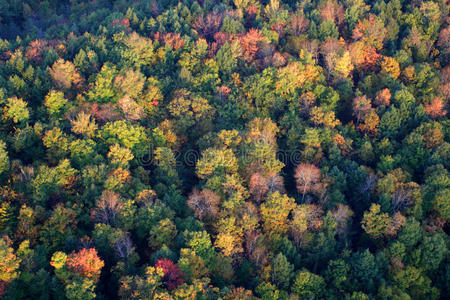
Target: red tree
{"type": "Point", "coordinates": [383, 97]}
{"type": "Point", "coordinates": [86, 263]}
{"type": "Point", "coordinates": [436, 108]}
{"type": "Point", "coordinates": [173, 276]}
{"type": "Point", "coordinates": [250, 43]}
{"type": "Point", "coordinates": [174, 40]}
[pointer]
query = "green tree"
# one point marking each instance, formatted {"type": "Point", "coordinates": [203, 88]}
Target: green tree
{"type": "Point", "coordinates": [103, 89]}
{"type": "Point", "coordinates": [431, 252]}
{"type": "Point", "coordinates": [126, 135]}
{"type": "Point", "coordinates": [16, 110]}
{"type": "Point", "coordinates": [4, 160]}
{"type": "Point", "coordinates": [308, 285]}
{"type": "Point", "coordinates": [366, 270]}
{"type": "Point", "coordinates": [162, 234]}
{"type": "Point", "coordinates": [55, 103]}
{"type": "Point", "coordinates": [48, 181]}
{"type": "Point", "coordinates": [282, 271]}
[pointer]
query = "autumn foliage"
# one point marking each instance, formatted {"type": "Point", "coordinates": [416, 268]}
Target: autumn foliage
{"type": "Point", "coordinates": [173, 276]}
{"type": "Point", "coordinates": [86, 263]}
{"type": "Point", "coordinates": [436, 108]}
{"type": "Point", "coordinates": [234, 150]}
{"type": "Point", "coordinates": [308, 178]}
{"type": "Point", "coordinates": [204, 203]}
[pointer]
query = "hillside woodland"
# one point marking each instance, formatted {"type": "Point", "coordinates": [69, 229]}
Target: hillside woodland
{"type": "Point", "coordinates": [235, 149]}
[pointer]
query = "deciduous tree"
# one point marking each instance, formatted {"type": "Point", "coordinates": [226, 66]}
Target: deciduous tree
{"type": "Point", "coordinates": [204, 203]}
{"type": "Point", "coordinates": [307, 177]}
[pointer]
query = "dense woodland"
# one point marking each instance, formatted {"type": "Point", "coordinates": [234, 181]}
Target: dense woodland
{"type": "Point", "coordinates": [235, 149]}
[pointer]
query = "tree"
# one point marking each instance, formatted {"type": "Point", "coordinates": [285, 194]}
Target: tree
{"type": "Point", "coordinates": [308, 285]}
{"type": "Point", "coordinates": [366, 270]}
{"type": "Point", "coordinates": [48, 181]}
{"type": "Point", "coordinates": [441, 203]}
{"type": "Point", "coordinates": [435, 109]}
{"type": "Point", "coordinates": [9, 262]}
{"type": "Point", "coordinates": [173, 276]}
{"type": "Point", "coordinates": [131, 84]}
{"type": "Point", "coordinates": [342, 215]}
{"type": "Point", "coordinates": [250, 43]}
{"type": "Point", "coordinates": [205, 204]}
{"type": "Point", "coordinates": [361, 107]}
{"type": "Point", "coordinates": [431, 251]}
{"type": "Point", "coordinates": [337, 273]}
{"type": "Point", "coordinates": [78, 271]}
{"type": "Point", "coordinates": [412, 281]}
{"type": "Point", "coordinates": [86, 263]}
{"type": "Point", "coordinates": [383, 97]}
{"type": "Point", "coordinates": [319, 117]}
{"type": "Point", "coordinates": [282, 271]}
{"type": "Point", "coordinates": [4, 160]}
{"type": "Point", "coordinates": [80, 289]}
{"type": "Point", "coordinates": [107, 208]}
{"type": "Point", "coordinates": [307, 177]}
{"type": "Point", "coordinates": [16, 110]}
{"type": "Point", "coordinates": [208, 25]}
{"type": "Point", "coordinates": [192, 265]}
{"type": "Point", "coordinates": [141, 287]}
{"type": "Point", "coordinates": [230, 236]}
{"type": "Point", "coordinates": [103, 89]}
{"type": "Point", "coordinates": [332, 11]}
{"type": "Point", "coordinates": [304, 217]}
{"type": "Point", "coordinates": [55, 103]}
{"type": "Point", "coordinates": [190, 109]}
{"type": "Point", "coordinates": [258, 187]}
{"type": "Point", "coordinates": [374, 222]}
{"type": "Point", "coordinates": [83, 124]}
{"type": "Point", "coordinates": [295, 76]}
{"type": "Point", "coordinates": [275, 211]}
{"type": "Point", "coordinates": [216, 162]}
{"type": "Point", "coordinates": [343, 65]}
{"type": "Point", "coordinates": [130, 109]}
{"type": "Point", "coordinates": [120, 156]}
{"type": "Point", "coordinates": [163, 233]}
{"type": "Point", "coordinates": [389, 65]}
{"type": "Point", "coordinates": [65, 75]}
{"type": "Point", "coordinates": [299, 24]}
{"type": "Point", "coordinates": [371, 31]}
{"type": "Point", "coordinates": [139, 50]}
{"type": "Point", "coordinates": [411, 233]}
{"type": "Point", "coordinates": [126, 135]}
{"type": "Point", "coordinates": [370, 123]}
{"type": "Point", "coordinates": [57, 144]}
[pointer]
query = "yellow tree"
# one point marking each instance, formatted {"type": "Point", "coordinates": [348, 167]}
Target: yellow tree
{"type": "Point", "coordinates": [9, 262]}
{"type": "Point", "coordinates": [275, 211]}
{"type": "Point", "coordinates": [389, 65]}
{"type": "Point", "coordinates": [230, 237]}
{"type": "Point", "coordinates": [375, 223]}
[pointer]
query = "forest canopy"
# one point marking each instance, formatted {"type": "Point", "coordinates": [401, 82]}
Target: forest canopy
{"type": "Point", "coordinates": [235, 149]}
